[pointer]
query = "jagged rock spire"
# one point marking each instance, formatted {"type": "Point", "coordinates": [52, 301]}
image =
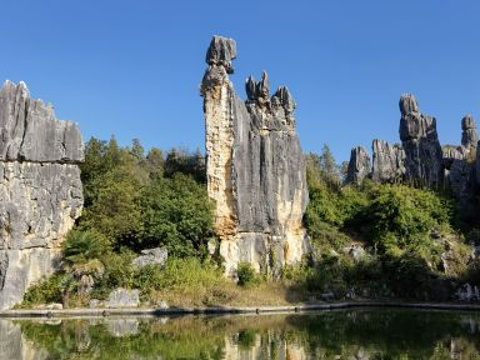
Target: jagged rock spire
{"type": "Point", "coordinates": [255, 167]}
{"type": "Point", "coordinates": [469, 133]}
{"type": "Point", "coordinates": [221, 52]}
{"type": "Point", "coordinates": [423, 153]}
{"type": "Point", "coordinates": [388, 162]}
{"type": "Point", "coordinates": [359, 166]}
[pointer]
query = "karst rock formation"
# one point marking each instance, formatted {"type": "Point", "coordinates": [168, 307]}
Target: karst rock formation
{"type": "Point", "coordinates": [420, 159]}
{"type": "Point", "coordinates": [40, 189]}
{"type": "Point", "coordinates": [255, 167]}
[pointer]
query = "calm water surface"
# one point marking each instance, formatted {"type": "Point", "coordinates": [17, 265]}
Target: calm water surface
{"type": "Point", "coordinates": [351, 334]}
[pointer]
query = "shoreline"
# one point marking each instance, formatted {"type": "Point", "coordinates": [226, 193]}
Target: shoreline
{"type": "Point", "coordinates": [153, 312]}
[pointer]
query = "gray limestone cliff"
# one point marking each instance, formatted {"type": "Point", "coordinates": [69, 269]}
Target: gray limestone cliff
{"type": "Point", "coordinates": [255, 167]}
{"type": "Point", "coordinates": [359, 166]}
{"type": "Point", "coordinates": [40, 189]}
{"type": "Point", "coordinates": [469, 134]}
{"type": "Point", "coordinates": [421, 160]}
{"type": "Point", "coordinates": [423, 153]}
{"type": "Point", "coordinates": [388, 162]}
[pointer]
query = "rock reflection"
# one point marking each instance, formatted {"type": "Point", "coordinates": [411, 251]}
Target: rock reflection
{"type": "Point", "coordinates": [351, 335]}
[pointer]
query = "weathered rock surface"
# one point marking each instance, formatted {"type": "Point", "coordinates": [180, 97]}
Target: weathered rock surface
{"type": "Point", "coordinates": [359, 166]}
{"type": "Point", "coordinates": [255, 167]}
{"type": "Point", "coordinates": [388, 162]}
{"type": "Point", "coordinates": [423, 153]}
{"type": "Point", "coordinates": [459, 172]}
{"type": "Point", "coordinates": [40, 189]}
{"type": "Point", "coordinates": [157, 256]}
{"type": "Point", "coordinates": [469, 133]}
{"type": "Point", "coordinates": [123, 298]}
{"type": "Point", "coordinates": [421, 160]}
{"type": "Point", "coordinates": [29, 130]}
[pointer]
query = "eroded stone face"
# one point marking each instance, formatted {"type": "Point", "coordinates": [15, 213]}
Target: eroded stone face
{"type": "Point", "coordinates": [40, 189]}
{"type": "Point", "coordinates": [359, 166]}
{"type": "Point", "coordinates": [255, 167]}
{"type": "Point", "coordinates": [423, 153]}
{"type": "Point", "coordinates": [388, 162]}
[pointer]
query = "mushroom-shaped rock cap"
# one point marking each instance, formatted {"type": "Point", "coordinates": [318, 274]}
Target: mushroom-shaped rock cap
{"type": "Point", "coordinates": [408, 104]}
{"type": "Point", "coordinates": [468, 122]}
{"type": "Point", "coordinates": [221, 52]}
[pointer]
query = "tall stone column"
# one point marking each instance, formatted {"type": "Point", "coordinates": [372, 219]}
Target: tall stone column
{"type": "Point", "coordinates": [255, 167]}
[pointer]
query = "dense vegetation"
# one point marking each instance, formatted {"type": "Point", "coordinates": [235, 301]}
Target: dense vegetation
{"type": "Point", "coordinates": [389, 240]}
{"type": "Point", "coordinates": [368, 241]}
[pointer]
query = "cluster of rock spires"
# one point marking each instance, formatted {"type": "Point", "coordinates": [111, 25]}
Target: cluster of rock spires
{"type": "Point", "coordinates": [255, 167]}
{"type": "Point", "coordinates": [40, 189]}
{"type": "Point", "coordinates": [421, 159]}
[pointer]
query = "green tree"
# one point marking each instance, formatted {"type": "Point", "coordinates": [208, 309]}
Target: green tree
{"type": "Point", "coordinates": [176, 213]}
{"type": "Point", "coordinates": [155, 163]}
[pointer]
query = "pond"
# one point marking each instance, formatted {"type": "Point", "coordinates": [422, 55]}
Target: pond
{"type": "Point", "coordinates": [347, 334]}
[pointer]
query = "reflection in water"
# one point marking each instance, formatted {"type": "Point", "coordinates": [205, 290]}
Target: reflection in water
{"type": "Point", "coordinates": [353, 335]}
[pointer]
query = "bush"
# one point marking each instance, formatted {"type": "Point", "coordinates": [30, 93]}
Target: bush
{"type": "Point", "coordinates": [246, 275]}
{"type": "Point", "coordinates": [51, 290]}
{"type": "Point", "coordinates": [82, 246]}
{"type": "Point", "coordinates": [403, 217]}
{"type": "Point", "coordinates": [119, 272]}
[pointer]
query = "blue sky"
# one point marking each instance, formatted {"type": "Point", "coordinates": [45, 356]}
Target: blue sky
{"type": "Point", "coordinates": [133, 68]}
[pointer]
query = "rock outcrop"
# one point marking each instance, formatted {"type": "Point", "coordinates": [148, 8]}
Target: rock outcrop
{"type": "Point", "coordinates": [469, 134]}
{"type": "Point", "coordinates": [359, 166]}
{"type": "Point", "coordinates": [255, 167]}
{"type": "Point", "coordinates": [40, 189]}
{"type": "Point", "coordinates": [420, 160]}
{"type": "Point", "coordinates": [423, 153]}
{"type": "Point", "coordinates": [388, 162]}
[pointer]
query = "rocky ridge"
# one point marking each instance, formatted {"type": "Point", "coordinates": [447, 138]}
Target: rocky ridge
{"type": "Point", "coordinates": [40, 189]}
{"type": "Point", "coordinates": [255, 167]}
{"type": "Point", "coordinates": [420, 159]}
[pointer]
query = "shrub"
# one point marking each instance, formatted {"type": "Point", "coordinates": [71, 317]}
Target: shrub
{"type": "Point", "coordinates": [189, 272]}
{"type": "Point", "coordinates": [247, 275]}
{"type": "Point", "coordinates": [51, 290]}
{"type": "Point", "coordinates": [82, 246]}
{"type": "Point", "coordinates": [403, 217]}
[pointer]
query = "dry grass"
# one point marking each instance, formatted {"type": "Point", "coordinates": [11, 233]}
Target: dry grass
{"type": "Point", "coordinates": [229, 294]}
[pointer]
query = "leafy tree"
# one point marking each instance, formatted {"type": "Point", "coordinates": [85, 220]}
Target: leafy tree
{"type": "Point", "coordinates": [176, 213]}
{"type": "Point", "coordinates": [155, 163]}
{"type": "Point", "coordinates": [137, 150]}
{"type": "Point", "coordinates": [182, 161]}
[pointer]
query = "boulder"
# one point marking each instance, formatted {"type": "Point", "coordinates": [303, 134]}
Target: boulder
{"type": "Point", "coordinates": [157, 256]}
{"type": "Point", "coordinates": [123, 298]}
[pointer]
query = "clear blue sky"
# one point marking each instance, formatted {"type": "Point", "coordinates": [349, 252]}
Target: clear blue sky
{"type": "Point", "coordinates": [133, 68]}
